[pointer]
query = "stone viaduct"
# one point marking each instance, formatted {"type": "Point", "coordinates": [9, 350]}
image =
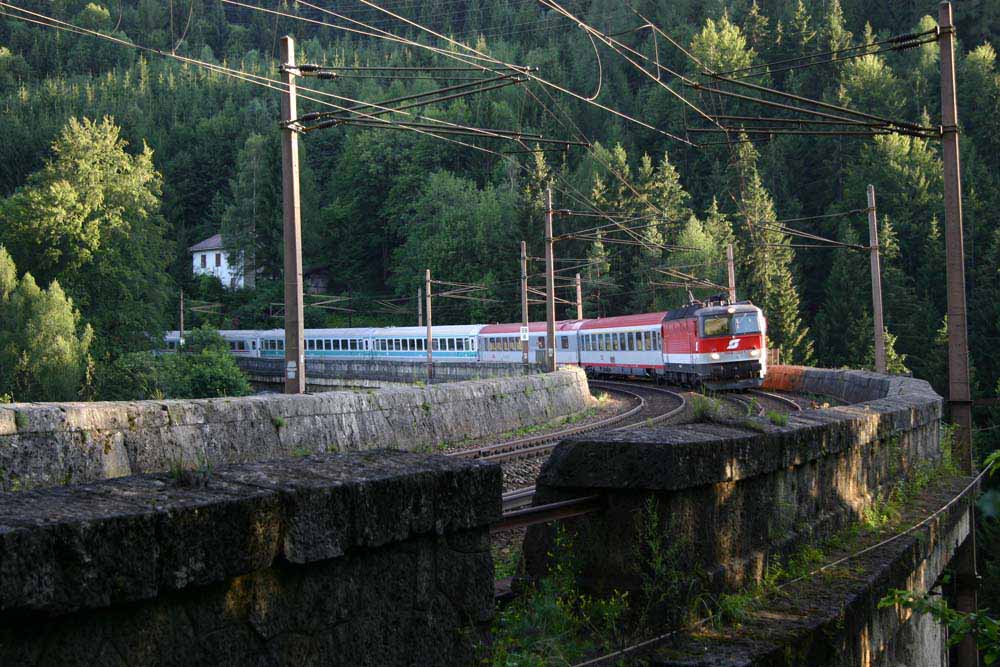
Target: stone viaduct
{"type": "Point", "coordinates": [320, 529]}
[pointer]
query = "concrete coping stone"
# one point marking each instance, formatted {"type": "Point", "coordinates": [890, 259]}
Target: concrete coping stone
{"type": "Point", "coordinates": [132, 538]}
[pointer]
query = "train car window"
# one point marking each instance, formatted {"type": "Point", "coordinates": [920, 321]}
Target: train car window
{"type": "Point", "coordinates": [459, 343]}
{"type": "Point", "coordinates": [451, 344]}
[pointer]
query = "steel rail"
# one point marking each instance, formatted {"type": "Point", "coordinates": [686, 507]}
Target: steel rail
{"type": "Point", "coordinates": [744, 402]}
{"type": "Point", "coordinates": [538, 444]}
{"type": "Point", "coordinates": [563, 509]}
{"type": "Point", "coordinates": [519, 498]}
{"type": "Point", "coordinates": [795, 407]}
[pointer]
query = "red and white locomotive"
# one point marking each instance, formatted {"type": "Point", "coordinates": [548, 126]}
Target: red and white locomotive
{"type": "Point", "coordinates": [719, 345]}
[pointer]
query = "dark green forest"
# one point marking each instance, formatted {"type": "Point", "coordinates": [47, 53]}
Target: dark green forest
{"type": "Point", "coordinates": [186, 152]}
{"type": "Point", "coordinates": [116, 157]}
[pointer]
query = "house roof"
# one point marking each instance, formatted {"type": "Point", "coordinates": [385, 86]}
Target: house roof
{"type": "Point", "coordinates": [211, 243]}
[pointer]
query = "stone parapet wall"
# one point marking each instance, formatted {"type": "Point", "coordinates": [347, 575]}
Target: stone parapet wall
{"type": "Point", "coordinates": [833, 619]}
{"type": "Point", "coordinates": [47, 444]}
{"type": "Point", "coordinates": [374, 558]}
{"type": "Point", "coordinates": [729, 497]}
{"type": "Point", "coordinates": [387, 371]}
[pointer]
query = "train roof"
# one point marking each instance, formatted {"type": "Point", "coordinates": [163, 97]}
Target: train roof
{"type": "Point", "coordinates": [701, 310]}
{"type": "Point", "coordinates": [640, 320]}
{"type": "Point", "coordinates": [444, 330]}
{"type": "Point", "coordinates": [533, 327]}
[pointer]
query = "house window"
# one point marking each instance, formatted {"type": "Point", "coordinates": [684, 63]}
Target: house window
{"type": "Point", "coordinates": [218, 259]}
{"type": "Point", "coordinates": [204, 262]}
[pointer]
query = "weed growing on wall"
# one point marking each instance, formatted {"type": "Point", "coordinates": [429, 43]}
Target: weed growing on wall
{"type": "Point", "coordinates": [664, 568]}
{"type": "Point", "coordinates": [556, 624]}
{"type": "Point", "coordinates": [704, 408]}
{"type": "Point", "coordinates": [777, 418]}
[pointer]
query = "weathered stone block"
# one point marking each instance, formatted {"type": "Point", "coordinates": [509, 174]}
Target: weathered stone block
{"type": "Point", "coordinates": [378, 558]}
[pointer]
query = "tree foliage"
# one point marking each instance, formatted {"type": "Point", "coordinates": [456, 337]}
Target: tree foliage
{"type": "Point", "coordinates": [44, 347]}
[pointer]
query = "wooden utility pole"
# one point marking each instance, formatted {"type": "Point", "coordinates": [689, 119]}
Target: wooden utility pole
{"type": "Point", "coordinates": [295, 368]}
{"type": "Point", "coordinates": [880, 361]}
{"type": "Point", "coordinates": [550, 284]}
{"type": "Point", "coordinates": [180, 339]}
{"type": "Point", "coordinates": [430, 338]}
{"type": "Point", "coordinates": [420, 307]}
{"type": "Point", "coordinates": [731, 270]}
{"type": "Point", "coordinates": [524, 302]}
{"type": "Point", "coordinates": [959, 394]}
{"type": "Point", "coordinates": [579, 298]}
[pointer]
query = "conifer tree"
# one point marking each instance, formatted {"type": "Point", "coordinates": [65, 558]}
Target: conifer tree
{"type": "Point", "coordinates": [767, 265]}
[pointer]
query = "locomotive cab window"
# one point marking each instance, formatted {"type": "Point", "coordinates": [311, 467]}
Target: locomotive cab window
{"type": "Point", "coordinates": [716, 326]}
{"type": "Point", "coordinates": [745, 323]}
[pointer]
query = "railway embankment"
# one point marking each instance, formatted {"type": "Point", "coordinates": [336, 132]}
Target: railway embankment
{"type": "Point", "coordinates": [370, 558]}
{"type": "Point", "coordinates": [710, 509]}
{"type": "Point", "coordinates": [48, 444]}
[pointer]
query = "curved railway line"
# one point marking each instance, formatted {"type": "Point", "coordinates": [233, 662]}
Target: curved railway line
{"type": "Point", "coordinates": [656, 404]}
{"type": "Point", "coordinates": [653, 404]}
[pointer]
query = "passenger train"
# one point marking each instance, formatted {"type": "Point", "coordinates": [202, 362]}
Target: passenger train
{"type": "Point", "coordinates": [716, 344]}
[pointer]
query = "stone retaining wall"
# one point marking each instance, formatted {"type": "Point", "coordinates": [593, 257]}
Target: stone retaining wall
{"type": "Point", "coordinates": [46, 444]}
{"type": "Point", "coordinates": [728, 497]}
{"type": "Point", "coordinates": [376, 558]}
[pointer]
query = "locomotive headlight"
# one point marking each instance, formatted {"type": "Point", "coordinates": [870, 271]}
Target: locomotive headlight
{"type": "Point", "coordinates": [715, 356]}
{"type": "Point", "coordinates": [755, 352]}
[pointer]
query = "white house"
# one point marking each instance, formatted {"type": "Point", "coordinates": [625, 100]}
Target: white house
{"type": "Point", "coordinates": [210, 258]}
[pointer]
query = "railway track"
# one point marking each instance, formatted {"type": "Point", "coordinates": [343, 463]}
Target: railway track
{"type": "Point", "coordinates": [536, 445]}
{"type": "Point", "coordinates": [748, 405]}
{"type": "Point", "coordinates": [786, 403]}
{"type": "Point", "coordinates": [656, 404]}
